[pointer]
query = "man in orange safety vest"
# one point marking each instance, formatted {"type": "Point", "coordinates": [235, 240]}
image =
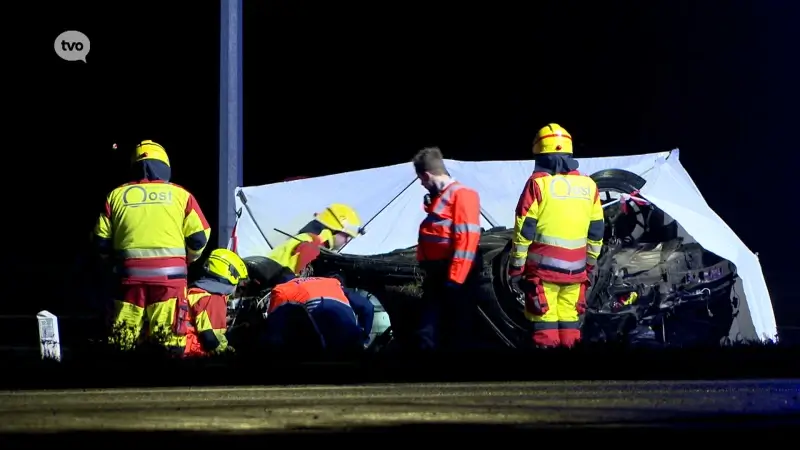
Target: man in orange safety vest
{"type": "Point", "coordinates": [447, 251]}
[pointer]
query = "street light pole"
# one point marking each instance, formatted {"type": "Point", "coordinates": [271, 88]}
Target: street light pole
{"type": "Point", "coordinates": [230, 116]}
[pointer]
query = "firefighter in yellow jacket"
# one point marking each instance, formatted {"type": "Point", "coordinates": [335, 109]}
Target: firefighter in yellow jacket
{"type": "Point", "coordinates": [208, 296]}
{"type": "Point", "coordinates": [332, 229]}
{"type": "Point", "coordinates": [558, 236]}
{"type": "Point", "coordinates": [150, 230]}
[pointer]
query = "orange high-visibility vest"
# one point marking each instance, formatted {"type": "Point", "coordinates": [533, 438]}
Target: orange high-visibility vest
{"type": "Point", "coordinates": [452, 230]}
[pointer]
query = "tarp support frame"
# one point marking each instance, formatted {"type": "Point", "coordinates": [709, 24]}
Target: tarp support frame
{"type": "Point", "coordinates": [383, 209]}
{"type": "Point", "coordinates": [243, 199]}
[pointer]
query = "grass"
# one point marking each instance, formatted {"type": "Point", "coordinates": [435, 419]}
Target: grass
{"type": "Point", "coordinates": [146, 367]}
{"type": "Point", "coordinates": [143, 364]}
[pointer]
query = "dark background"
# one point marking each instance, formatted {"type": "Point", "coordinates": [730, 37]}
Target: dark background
{"type": "Point", "coordinates": [331, 88]}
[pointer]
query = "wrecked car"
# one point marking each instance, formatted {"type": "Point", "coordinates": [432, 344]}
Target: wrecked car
{"type": "Point", "coordinates": [653, 285]}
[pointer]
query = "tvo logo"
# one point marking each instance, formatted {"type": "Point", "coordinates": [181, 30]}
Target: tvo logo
{"type": "Point", "coordinates": [72, 46]}
{"type": "Point", "coordinates": [561, 188]}
{"type": "Point", "coordinates": [135, 196]}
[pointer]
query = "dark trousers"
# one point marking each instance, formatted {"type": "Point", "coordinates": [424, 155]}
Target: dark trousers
{"type": "Point", "coordinates": [445, 316]}
{"type": "Point", "coordinates": [337, 323]}
{"type": "Point", "coordinates": [319, 325]}
{"type": "Point", "coordinates": [291, 331]}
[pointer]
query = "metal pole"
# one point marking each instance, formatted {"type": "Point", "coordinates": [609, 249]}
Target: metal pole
{"type": "Point", "coordinates": [230, 115]}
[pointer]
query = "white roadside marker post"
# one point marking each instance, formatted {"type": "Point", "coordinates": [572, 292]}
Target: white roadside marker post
{"type": "Point", "coordinates": [49, 342]}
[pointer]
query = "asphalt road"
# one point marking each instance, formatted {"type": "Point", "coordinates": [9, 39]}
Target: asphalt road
{"type": "Point", "coordinates": [549, 404]}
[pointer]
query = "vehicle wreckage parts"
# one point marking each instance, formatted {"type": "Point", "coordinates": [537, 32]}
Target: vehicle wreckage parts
{"type": "Point", "coordinates": [665, 293]}
{"type": "Point", "coordinates": [627, 220]}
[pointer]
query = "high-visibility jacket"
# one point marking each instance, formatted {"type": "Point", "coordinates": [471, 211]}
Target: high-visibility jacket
{"type": "Point", "coordinates": [208, 323]}
{"type": "Point", "coordinates": [312, 291]}
{"type": "Point", "coordinates": [451, 231]}
{"type": "Point", "coordinates": [304, 290]}
{"type": "Point", "coordinates": [559, 227]}
{"type": "Point", "coordinates": [152, 228]}
{"type": "Point", "coordinates": [299, 251]}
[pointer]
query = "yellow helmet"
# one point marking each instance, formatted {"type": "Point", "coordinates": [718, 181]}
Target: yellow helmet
{"type": "Point", "coordinates": [226, 265]}
{"type": "Point", "coordinates": [552, 138]}
{"type": "Point", "coordinates": [150, 150]}
{"type": "Point", "coordinates": [342, 218]}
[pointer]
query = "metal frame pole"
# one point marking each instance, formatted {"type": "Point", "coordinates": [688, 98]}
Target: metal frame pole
{"type": "Point", "coordinates": [230, 116]}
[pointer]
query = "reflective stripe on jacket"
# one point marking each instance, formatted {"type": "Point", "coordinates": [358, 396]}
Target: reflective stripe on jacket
{"type": "Point", "coordinates": [452, 230]}
{"type": "Point", "coordinates": [209, 322]}
{"type": "Point", "coordinates": [559, 227]}
{"type": "Point", "coordinates": [306, 290]}
{"type": "Point", "coordinates": [153, 228]}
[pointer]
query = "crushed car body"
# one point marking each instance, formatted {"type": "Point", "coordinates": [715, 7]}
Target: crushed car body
{"type": "Point", "coordinates": [671, 272]}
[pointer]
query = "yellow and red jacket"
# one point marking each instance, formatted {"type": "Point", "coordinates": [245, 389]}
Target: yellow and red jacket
{"type": "Point", "coordinates": [152, 228]}
{"type": "Point", "coordinates": [299, 251]}
{"type": "Point", "coordinates": [559, 227]}
{"type": "Point", "coordinates": [303, 290]}
{"type": "Point", "coordinates": [209, 323]}
{"type": "Point", "coordinates": [452, 230]}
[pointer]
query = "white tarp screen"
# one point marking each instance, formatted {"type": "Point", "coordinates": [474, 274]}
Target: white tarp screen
{"type": "Point", "coordinates": [669, 186]}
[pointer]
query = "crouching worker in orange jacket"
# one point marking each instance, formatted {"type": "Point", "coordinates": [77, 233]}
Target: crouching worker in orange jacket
{"type": "Point", "coordinates": [204, 333]}
{"type": "Point", "coordinates": [341, 317]}
{"type": "Point", "coordinates": [557, 239]}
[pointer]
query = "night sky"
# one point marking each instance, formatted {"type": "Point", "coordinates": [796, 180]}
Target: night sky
{"type": "Point", "coordinates": [332, 88]}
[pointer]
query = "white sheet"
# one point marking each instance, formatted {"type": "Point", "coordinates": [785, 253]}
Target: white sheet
{"type": "Point", "coordinates": [667, 188]}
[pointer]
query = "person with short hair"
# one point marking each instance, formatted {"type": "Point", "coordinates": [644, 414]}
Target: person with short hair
{"type": "Point", "coordinates": [447, 251]}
